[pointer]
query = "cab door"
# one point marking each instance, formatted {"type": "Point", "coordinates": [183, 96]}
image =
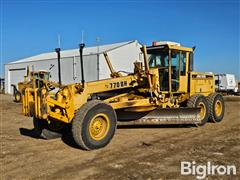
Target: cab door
{"type": "Point", "coordinates": [175, 70]}
{"type": "Point", "coordinates": [179, 71]}
{"type": "Point", "coordinates": [183, 72]}
{"type": "Point", "coordinates": [160, 60]}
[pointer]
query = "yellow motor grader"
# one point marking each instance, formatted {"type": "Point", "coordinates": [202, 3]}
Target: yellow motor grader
{"type": "Point", "coordinates": [162, 90]}
{"type": "Point", "coordinates": [17, 90]}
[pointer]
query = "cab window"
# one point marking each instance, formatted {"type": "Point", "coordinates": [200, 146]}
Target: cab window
{"type": "Point", "coordinates": [175, 62]}
{"type": "Point", "coordinates": [183, 63]}
{"type": "Point", "coordinates": [36, 75]}
{"type": "Point", "coordinates": [158, 59]}
{"type": "Point", "coordinates": [47, 75]}
{"type": "Point", "coordinates": [41, 75]}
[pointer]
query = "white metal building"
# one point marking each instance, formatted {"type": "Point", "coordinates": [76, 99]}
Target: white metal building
{"type": "Point", "coordinates": [122, 56]}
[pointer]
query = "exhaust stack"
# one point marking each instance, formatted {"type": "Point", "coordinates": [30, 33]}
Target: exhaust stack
{"type": "Point", "coordinates": [81, 46]}
{"type": "Point", "coordinates": [57, 50]}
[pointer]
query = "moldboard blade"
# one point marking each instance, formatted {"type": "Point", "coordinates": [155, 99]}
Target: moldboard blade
{"type": "Point", "coordinates": [162, 116]}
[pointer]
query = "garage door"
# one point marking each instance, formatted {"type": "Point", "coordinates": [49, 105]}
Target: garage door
{"type": "Point", "coordinates": [16, 75]}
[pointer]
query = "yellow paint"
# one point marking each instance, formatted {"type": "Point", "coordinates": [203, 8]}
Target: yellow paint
{"type": "Point", "coordinates": [142, 92]}
{"type": "Point", "coordinates": [203, 110]}
{"type": "Point", "coordinates": [218, 108]}
{"type": "Point", "coordinates": [99, 126]}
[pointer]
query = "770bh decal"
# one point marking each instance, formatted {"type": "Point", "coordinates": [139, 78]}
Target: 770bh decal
{"type": "Point", "coordinates": [117, 84]}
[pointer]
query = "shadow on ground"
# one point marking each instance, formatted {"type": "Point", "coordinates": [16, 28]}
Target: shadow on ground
{"type": "Point", "coordinates": [29, 132]}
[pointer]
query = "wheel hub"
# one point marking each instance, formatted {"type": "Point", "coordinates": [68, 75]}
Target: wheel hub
{"type": "Point", "coordinates": [218, 108]}
{"type": "Point", "coordinates": [99, 126]}
{"type": "Point", "coordinates": [203, 110]}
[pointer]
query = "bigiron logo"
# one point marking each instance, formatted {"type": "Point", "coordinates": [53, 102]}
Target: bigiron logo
{"type": "Point", "coordinates": [202, 171]}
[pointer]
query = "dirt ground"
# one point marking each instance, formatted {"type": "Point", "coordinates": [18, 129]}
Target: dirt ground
{"type": "Point", "coordinates": [134, 153]}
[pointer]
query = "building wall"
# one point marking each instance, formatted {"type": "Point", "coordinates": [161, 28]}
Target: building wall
{"type": "Point", "coordinates": [70, 70]}
{"type": "Point", "coordinates": [13, 74]}
{"type": "Point", "coordinates": [90, 68]}
{"type": "Point", "coordinates": [122, 58]}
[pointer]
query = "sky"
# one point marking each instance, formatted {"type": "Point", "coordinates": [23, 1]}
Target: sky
{"type": "Point", "coordinates": [31, 27]}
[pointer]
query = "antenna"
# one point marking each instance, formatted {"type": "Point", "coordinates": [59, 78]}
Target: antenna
{"type": "Point", "coordinates": [59, 40]}
{"type": "Point", "coordinates": [98, 39]}
{"type": "Point", "coordinates": [82, 37]}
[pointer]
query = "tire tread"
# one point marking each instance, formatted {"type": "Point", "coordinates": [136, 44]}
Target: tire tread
{"type": "Point", "coordinates": [211, 100]}
{"type": "Point", "coordinates": [77, 122]}
{"type": "Point", "coordinates": [192, 103]}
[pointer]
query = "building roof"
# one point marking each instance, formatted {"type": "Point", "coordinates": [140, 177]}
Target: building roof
{"type": "Point", "coordinates": [74, 52]}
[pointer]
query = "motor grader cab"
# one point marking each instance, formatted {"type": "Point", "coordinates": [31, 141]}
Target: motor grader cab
{"type": "Point", "coordinates": [17, 90]}
{"type": "Point", "coordinates": [163, 90]}
{"type": "Point", "coordinates": [175, 69]}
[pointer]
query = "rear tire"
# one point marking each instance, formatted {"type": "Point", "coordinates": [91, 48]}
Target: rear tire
{"type": "Point", "coordinates": [94, 125]}
{"type": "Point", "coordinates": [216, 106]}
{"type": "Point", "coordinates": [198, 100]}
{"type": "Point", "coordinates": [42, 129]}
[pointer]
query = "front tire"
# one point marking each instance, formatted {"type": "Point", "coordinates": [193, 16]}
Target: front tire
{"type": "Point", "coordinates": [200, 101]}
{"type": "Point", "coordinates": [94, 125]}
{"type": "Point", "coordinates": [216, 106]}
